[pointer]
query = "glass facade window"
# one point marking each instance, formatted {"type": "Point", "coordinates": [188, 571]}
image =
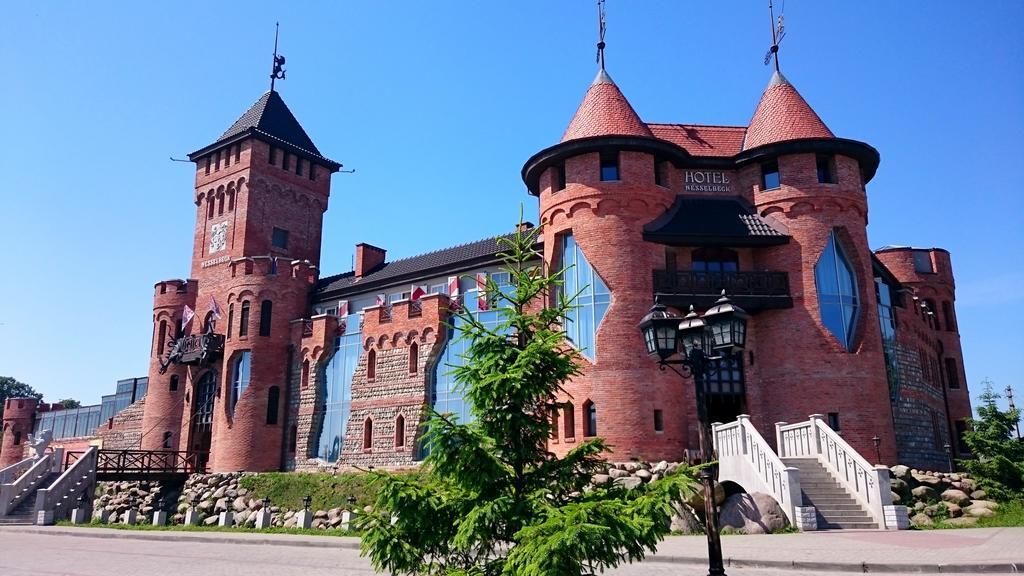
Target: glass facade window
{"type": "Point", "coordinates": [592, 297]}
{"type": "Point", "coordinates": [336, 378]}
{"type": "Point", "coordinates": [837, 292]}
{"type": "Point", "coordinates": [279, 238]}
{"type": "Point", "coordinates": [715, 260]}
{"type": "Point", "coordinates": [725, 376]}
{"type": "Point", "coordinates": [240, 373]}
{"type": "Point", "coordinates": [885, 315]}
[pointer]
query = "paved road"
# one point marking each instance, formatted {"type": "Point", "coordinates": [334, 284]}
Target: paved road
{"type": "Point", "coordinates": [105, 553]}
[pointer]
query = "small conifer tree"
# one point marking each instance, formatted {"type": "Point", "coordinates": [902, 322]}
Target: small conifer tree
{"type": "Point", "coordinates": [492, 499]}
{"type": "Point", "coordinates": [998, 457]}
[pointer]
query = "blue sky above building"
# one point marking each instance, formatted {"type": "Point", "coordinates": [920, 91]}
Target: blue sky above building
{"type": "Point", "coordinates": [436, 106]}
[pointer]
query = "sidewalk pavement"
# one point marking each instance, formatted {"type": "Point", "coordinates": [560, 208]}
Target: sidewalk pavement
{"type": "Point", "coordinates": [976, 550]}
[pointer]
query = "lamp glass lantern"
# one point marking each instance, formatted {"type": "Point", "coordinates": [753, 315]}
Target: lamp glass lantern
{"type": "Point", "coordinates": [660, 328]}
{"type": "Point", "coordinates": [728, 325]}
{"type": "Point", "coordinates": [693, 332]}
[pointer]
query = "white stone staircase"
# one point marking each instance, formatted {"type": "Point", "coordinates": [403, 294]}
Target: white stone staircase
{"type": "Point", "coordinates": [817, 478]}
{"type": "Point", "coordinates": [43, 493]}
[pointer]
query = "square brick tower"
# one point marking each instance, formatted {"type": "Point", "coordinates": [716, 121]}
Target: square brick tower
{"type": "Point", "coordinates": [260, 193]}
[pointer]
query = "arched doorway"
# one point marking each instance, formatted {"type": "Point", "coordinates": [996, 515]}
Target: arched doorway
{"type": "Point", "coordinates": [202, 417]}
{"type": "Point", "coordinates": [725, 390]}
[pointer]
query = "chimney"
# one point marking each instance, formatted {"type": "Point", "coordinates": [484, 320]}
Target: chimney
{"type": "Point", "coordinates": [368, 258]}
{"type": "Point", "coordinates": [524, 226]}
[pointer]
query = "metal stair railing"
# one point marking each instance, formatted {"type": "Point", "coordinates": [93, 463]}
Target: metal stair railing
{"type": "Point", "coordinates": [55, 502]}
{"type": "Point", "coordinates": [868, 484]}
{"type": "Point", "coordinates": [747, 459]}
{"type": "Point", "coordinates": [12, 493]}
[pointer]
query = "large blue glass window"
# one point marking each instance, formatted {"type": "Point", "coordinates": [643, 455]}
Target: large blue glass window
{"type": "Point", "coordinates": [240, 374]}
{"type": "Point", "coordinates": [591, 302]}
{"type": "Point", "coordinates": [837, 292]}
{"type": "Point", "coordinates": [337, 379]}
{"type": "Point", "coordinates": [447, 395]}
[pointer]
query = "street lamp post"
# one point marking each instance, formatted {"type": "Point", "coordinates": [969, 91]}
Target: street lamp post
{"type": "Point", "coordinates": [723, 330]}
{"type": "Point", "coordinates": [949, 455]}
{"type": "Point", "coordinates": [878, 445]}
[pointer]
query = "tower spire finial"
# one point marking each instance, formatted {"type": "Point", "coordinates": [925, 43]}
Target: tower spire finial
{"type": "Point", "coordinates": [778, 33]}
{"type": "Point", "coordinates": [600, 33]}
{"type": "Point", "coordinates": [277, 72]}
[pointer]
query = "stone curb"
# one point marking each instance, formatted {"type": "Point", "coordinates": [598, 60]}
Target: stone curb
{"type": "Point", "coordinates": [858, 567]}
{"type": "Point", "coordinates": [353, 544]}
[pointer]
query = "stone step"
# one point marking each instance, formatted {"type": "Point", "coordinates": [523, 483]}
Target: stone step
{"type": "Point", "coordinates": [826, 508]}
{"type": "Point", "coordinates": [848, 526]}
{"type": "Point", "coordinates": [847, 517]}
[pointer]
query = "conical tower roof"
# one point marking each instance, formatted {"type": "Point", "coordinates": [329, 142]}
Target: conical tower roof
{"type": "Point", "coordinates": [783, 114]}
{"type": "Point", "coordinates": [605, 112]}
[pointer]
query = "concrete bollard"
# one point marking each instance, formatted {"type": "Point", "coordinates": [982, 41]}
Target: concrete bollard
{"type": "Point", "coordinates": [227, 518]}
{"type": "Point", "coordinates": [104, 516]}
{"type": "Point", "coordinates": [131, 516]}
{"type": "Point", "coordinates": [44, 518]}
{"type": "Point", "coordinates": [346, 520]}
{"type": "Point", "coordinates": [80, 516]}
{"type": "Point", "coordinates": [159, 518]}
{"type": "Point", "coordinates": [304, 519]}
{"type": "Point", "coordinates": [191, 517]}
{"type": "Point", "coordinates": [263, 518]}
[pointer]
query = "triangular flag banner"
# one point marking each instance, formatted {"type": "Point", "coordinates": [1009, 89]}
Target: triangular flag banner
{"type": "Point", "coordinates": [186, 316]}
{"type": "Point", "coordinates": [453, 292]}
{"type": "Point", "coordinates": [343, 308]}
{"type": "Point", "coordinates": [481, 291]}
{"type": "Point", "coordinates": [215, 308]}
{"type": "Point", "coordinates": [382, 299]}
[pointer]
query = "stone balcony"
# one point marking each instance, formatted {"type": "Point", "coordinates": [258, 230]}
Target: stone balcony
{"type": "Point", "coordinates": [753, 291]}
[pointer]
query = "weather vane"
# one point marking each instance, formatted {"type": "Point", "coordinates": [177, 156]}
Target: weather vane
{"type": "Point", "coordinates": [277, 73]}
{"type": "Point", "coordinates": [778, 33]}
{"type": "Point", "coordinates": [601, 25]}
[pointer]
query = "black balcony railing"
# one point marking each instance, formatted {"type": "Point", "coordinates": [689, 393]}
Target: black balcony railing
{"type": "Point", "coordinates": [699, 283]}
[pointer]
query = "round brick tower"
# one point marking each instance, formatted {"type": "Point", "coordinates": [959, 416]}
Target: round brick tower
{"type": "Point", "coordinates": [597, 188]}
{"type": "Point", "coordinates": [825, 354]}
{"type": "Point", "coordinates": [19, 417]}
{"type": "Point", "coordinates": [165, 398]}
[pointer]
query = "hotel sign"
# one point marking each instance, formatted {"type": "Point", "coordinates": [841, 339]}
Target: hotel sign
{"type": "Point", "coordinates": [706, 181]}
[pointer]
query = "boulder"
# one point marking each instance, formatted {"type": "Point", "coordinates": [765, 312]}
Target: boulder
{"type": "Point", "coordinates": [601, 479]}
{"type": "Point", "coordinates": [979, 495]}
{"type": "Point", "coordinates": [895, 497]}
{"type": "Point", "coordinates": [899, 486]}
{"type": "Point", "coordinates": [239, 504]}
{"type": "Point", "coordinates": [900, 471]}
{"type": "Point", "coordinates": [954, 510]}
{"type": "Point", "coordinates": [921, 520]}
{"type": "Point", "coordinates": [211, 520]}
{"type": "Point", "coordinates": [932, 509]}
{"type": "Point", "coordinates": [924, 492]}
{"type": "Point", "coordinates": [684, 520]}
{"type": "Point", "coordinates": [979, 512]}
{"type": "Point", "coordinates": [628, 482]}
{"type": "Point", "coordinates": [219, 492]}
{"type": "Point", "coordinates": [643, 474]}
{"type": "Point", "coordinates": [615, 473]}
{"type": "Point", "coordinates": [968, 485]}
{"type": "Point", "coordinates": [956, 497]}
{"type": "Point", "coordinates": [221, 505]}
{"type": "Point", "coordinates": [755, 513]}
{"type": "Point", "coordinates": [660, 467]}
{"type": "Point", "coordinates": [984, 504]}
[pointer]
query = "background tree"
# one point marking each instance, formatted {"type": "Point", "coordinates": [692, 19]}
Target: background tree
{"type": "Point", "coordinates": [69, 403]}
{"type": "Point", "coordinates": [492, 499]}
{"type": "Point", "coordinates": [998, 462]}
{"type": "Point", "coordinates": [11, 388]}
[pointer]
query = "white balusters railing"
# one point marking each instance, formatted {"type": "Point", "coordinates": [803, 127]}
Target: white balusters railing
{"type": "Point", "coordinates": [12, 493]}
{"type": "Point", "coordinates": [746, 458]}
{"type": "Point", "coordinates": [56, 501]}
{"type": "Point", "coordinates": [12, 472]}
{"type": "Point", "coordinates": [813, 438]}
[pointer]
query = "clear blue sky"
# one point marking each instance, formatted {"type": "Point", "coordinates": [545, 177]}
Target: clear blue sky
{"type": "Point", "coordinates": [437, 105]}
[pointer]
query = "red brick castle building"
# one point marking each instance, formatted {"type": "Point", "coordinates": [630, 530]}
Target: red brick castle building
{"type": "Point", "coordinates": [283, 368]}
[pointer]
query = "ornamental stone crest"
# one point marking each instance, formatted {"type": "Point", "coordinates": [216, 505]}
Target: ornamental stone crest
{"type": "Point", "coordinates": [218, 237]}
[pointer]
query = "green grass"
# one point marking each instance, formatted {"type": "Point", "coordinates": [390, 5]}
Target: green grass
{"type": "Point", "coordinates": [287, 489]}
{"type": "Point", "coordinates": [183, 528]}
{"type": "Point", "coordinates": [1008, 515]}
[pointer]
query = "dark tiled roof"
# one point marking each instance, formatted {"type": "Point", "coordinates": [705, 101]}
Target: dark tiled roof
{"type": "Point", "coordinates": [706, 221]}
{"type": "Point", "coordinates": [270, 117]}
{"type": "Point", "coordinates": [451, 259]}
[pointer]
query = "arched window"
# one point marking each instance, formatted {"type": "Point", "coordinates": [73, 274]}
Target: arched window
{"type": "Point", "coordinates": [167, 440]}
{"type": "Point", "coordinates": [209, 207]}
{"type": "Point", "coordinates": [414, 358]}
{"type": "Point", "coordinates": [569, 420]}
{"type": "Point", "coordinates": [273, 404]}
{"type": "Point", "coordinates": [241, 370]}
{"type": "Point", "coordinates": [161, 338]}
{"type": "Point", "coordinates": [305, 373]}
{"type": "Point", "coordinates": [220, 204]}
{"type": "Point", "coordinates": [243, 320]}
{"type": "Point", "coordinates": [367, 434]}
{"type": "Point", "coordinates": [590, 424]}
{"type": "Point", "coordinates": [174, 383]}
{"type": "Point", "coordinates": [371, 365]}
{"type": "Point", "coordinates": [266, 311]}
{"type": "Point", "coordinates": [400, 431]}
{"type": "Point", "coordinates": [933, 318]}
{"type": "Point", "coordinates": [837, 292]}
{"type": "Point", "coordinates": [592, 297]}
{"type": "Point", "coordinates": [947, 316]}
{"type": "Point", "coordinates": [231, 200]}
{"type": "Point", "coordinates": [231, 319]}
{"type": "Point", "coordinates": [554, 423]}
{"type": "Point", "coordinates": [17, 437]}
